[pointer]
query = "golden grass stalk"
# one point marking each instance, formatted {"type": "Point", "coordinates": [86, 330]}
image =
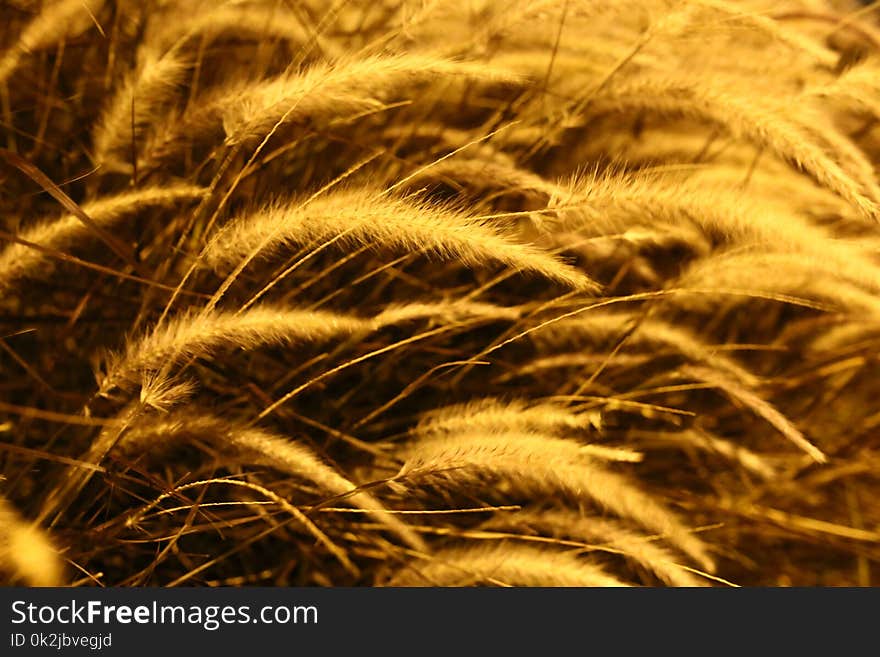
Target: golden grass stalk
{"type": "Point", "coordinates": [56, 20]}
{"type": "Point", "coordinates": [708, 442]}
{"type": "Point", "coordinates": [857, 88]}
{"type": "Point", "coordinates": [610, 327]}
{"type": "Point", "coordinates": [138, 102]}
{"type": "Point", "coordinates": [27, 556]}
{"type": "Point", "coordinates": [611, 535]}
{"type": "Point", "coordinates": [342, 88]}
{"type": "Point", "coordinates": [723, 191]}
{"type": "Point", "coordinates": [492, 415]}
{"type": "Point", "coordinates": [538, 462]}
{"type": "Point", "coordinates": [577, 360]}
{"type": "Point", "coordinates": [505, 564]}
{"type": "Point", "coordinates": [322, 538]}
{"type": "Point", "coordinates": [766, 177]}
{"type": "Point", "coordinates": [843, 335]}
{"type": "Point", "coordinates": [484, 178]}
{"type": "Point", "coordinates": [238, 20]}
{"type": "Point", "coordinates": [760, 406]}
{"type": "Point", "coordinates": [775, 30]}
{"type": "Point", "coordinates": [607, 453]}
{"type": "Point", "coordinates": [199, 334]}
{"type": "Point", "coordinates": [735, 275]}
{"type": "Point", "coordinates": [19, 261]}
{"type": "Point", "coordinates": [259, 447]}
{"type": "Point", "coordinates": [356, 217]}
{"type": "Point", "coordinates": [806, 139]}
{"type": "Point", "coordinates": [621, 201]}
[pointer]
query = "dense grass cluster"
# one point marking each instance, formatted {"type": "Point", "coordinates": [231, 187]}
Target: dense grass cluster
{"type": "Point", "coordinates": [444, 292]}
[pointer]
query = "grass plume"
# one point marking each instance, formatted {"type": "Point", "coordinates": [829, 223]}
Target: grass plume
{"type": "Point", "coordinates": [536, 292]}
